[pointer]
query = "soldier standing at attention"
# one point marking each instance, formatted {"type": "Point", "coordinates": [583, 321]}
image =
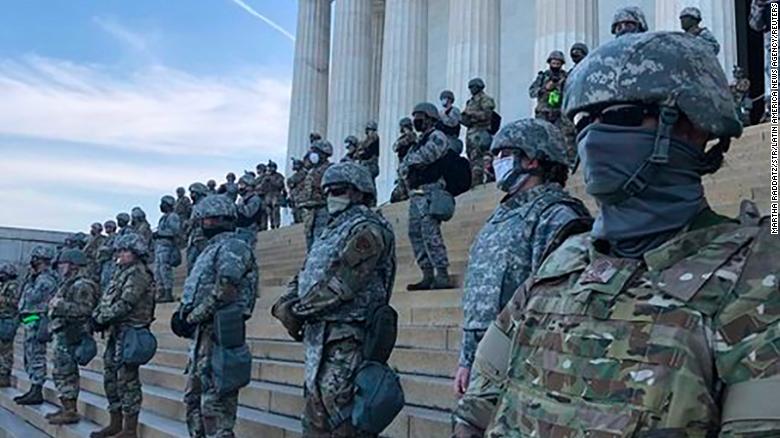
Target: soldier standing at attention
{"type": "Point", "coordinates": [350, 149]}
{"type": "Point", "coordinates": [38, 288]}
{"type": "Point", "coordinates": [627, 20]}
{"type": "Point", "coordinates": [450, 120]}
{"type": "Point", "coordinates": [166, 254]}
{"type": "Point", "coordinates": [578, 52]}
{"type": "Point", "coordinates": [547, 89]}
{"type": "Point", "coordinates": [183, 206]}
{"type": "Point", "coordinates": [535, 215]}
{"type": "Point", "coordinates": [96, 239]}
{"type": "Point", "coordinates": [312, 198]}
{"type": "Point", "coordinates": [655, 323]}
{"type": "Point", "coordinates": [222, 285]}
{"type": "Point", "coordinates": [418, 171]}
{"type": "Point", "coordinates": [212, 186]}
{"type": "Point", "coordinates": [274, 193]}
{"type": "Point", "coordinates": [348, 274]}
{"type": "Point", "coordinates": [123, 222]}
{"type": "Point", "coordinates": [9, 320]}
{"type": "Point", "coordinates": [249, 209]}
{"type": "Point", "coordinates": [401, 147]}
{"type": "Point", "coordinates": [294, 184]}
{"type": "Point", "coordinates": [368, 150]}
{"type": "Point", "coordinates": [478, 117]}
{"type": "Point", "coordinates": [140, 225]}
{"type": "Point", "coordinates": [195, 239]}
{"type": "Point", "coordinates": [128, 303]}
{"type": "Point", "coordinates": [69, 311]}
{"type": "Point", "coordinates": [690, 17]}
{"type": "Point", "coordinates": [105, 255]}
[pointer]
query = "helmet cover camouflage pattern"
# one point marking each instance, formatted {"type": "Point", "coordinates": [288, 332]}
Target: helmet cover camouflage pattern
{"type": "Point", "coordinates": [248, 179]}
{"type": "Point", "coordinates": [199, 189]}
{"type": "Point", "coordinates": [371, 126]}
{"type": "Point", "coordinates": [537, 138]}
{"type": "Point", "coordinates": [632, 14]}
{"type": "Point", "coordinates": [180, 191]}
{"type": "Point", "coordinates": [351, 140]}
{"type": "Point", "coordinates": [96, 226]}
{"type": "Point", "coordinates": [580, 46]}
{"type": "Point", "coordinates": [428, 109]}
{"type": "Point", "coordinates": [8, 269]}
{"type": "Point", "coordinates": [132, 242]}
{"type": "Point", "coordinates": [80, 238]}
{"type": "Point", "coordinates": [215, 206]}
{"type": "Point", "coordinates": [447, 94]}
{"type": "Point", "coordinates": [692, 12]}
{"type": "Point", "coordinates": [556, 55]}
{"type": "Point", "coordinates": [350, 173]}
{"type": "Point", "coordinates": [137, 213]}
{"type": "Point", "coordinates": [123, 217]}
{"type": "Point", "coordinates": [73, 256]}
{"type": "Point", "coordinates": [323, 146]}
{"type": "Point", "coordinates": [478, 83]}
{"type": "Point", "coordinates": [168, 200]}
{"type": "Point", "coordinates": [109, 224]}
{"type": "Point", "coordinates": [670, 68]}
{"type": "Point", "coordinates": [42, 252]}
{"type": "Point", "coordinates": [271, 165]}
{"type": "Point", "coordinates": [405, 122]}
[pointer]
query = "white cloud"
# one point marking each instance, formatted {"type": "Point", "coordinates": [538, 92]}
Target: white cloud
{"type": "Point", "coordinates": [33, 208]}
{"type": "Point", "coordinates": [156, 109]}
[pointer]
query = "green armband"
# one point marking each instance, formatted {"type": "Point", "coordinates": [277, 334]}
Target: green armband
{"type": "Point", "coordinates": [554, 98]}
{"type": "Point", "coordinates": [29, 319]}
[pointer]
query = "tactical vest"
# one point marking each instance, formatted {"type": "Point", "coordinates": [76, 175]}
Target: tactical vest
{"type": "Point", "coordinates": [613, 347]}
{"type": "Point", "coordinates": [311, 192]}
{"type": "Point", "coordinates": [502, 256]}
{"type": "Point", "coordinates": [142, 312]}
{"type": "Point", "coordinates": [37, 291]}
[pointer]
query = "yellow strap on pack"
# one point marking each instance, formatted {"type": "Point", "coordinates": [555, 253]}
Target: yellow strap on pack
{"type": "Point", "coordinates": [753, 400]}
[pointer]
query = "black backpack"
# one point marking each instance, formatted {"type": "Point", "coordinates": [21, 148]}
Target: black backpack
{"type": "Point", "coordinates": [495, 123]}
{"type": "Point", "coordinates": [456, 171]}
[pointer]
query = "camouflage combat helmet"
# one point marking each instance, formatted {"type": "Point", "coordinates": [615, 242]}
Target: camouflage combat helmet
{"type": "Point", "coordinates": [350, 173]}
{"type": "Point", "coordinates": [405, 122]}
{"type": "Point", "coordinates": [537, 138]}
{"type": "Point", "coordinates": [180, 191]}
{"type": "Point", "coordinates": [96, 226]}
{"type": "Point", "coordinates": [692, 12]}
{"type": "Point", "coordinates": [556, 55]}
{"type": "Point", "coordinates": [248, 179]}
{"type": "Point", "coordinates": [631, 14]}
{"type": "Point", "coordinates": [8, 269]}
{"type": "Point", "coordinates": [134, 243]}
{"type": "Point", "coordinates": [230, 176]}
{"type": "Point", "coordinates": [42, 252]}
{"type": "Point", "coordinates": [371, 126]}
{"type": "Point", "coordinates": [352, 140]}
{"type": "Point", "coordinates": [73, 256]}
{"type": "Point", "coordinates": [168, 200]}
{"type": "Point", "coordinates": [81, 239]}
{"type": "Point", "coordinates": [272, 165]}
{"type": "Point", "coordinates": [137, 213]}
{"type": "Point", "coordinates": [478, 83]}
{"type": "Point", "coordinates": [123, 218]}
{"type": "Point", "coordinates": [323, 146]}
{"type": "Point", "coordinates": [580, 46]}
{"type": "Point", "coordinates": [109, 224]}
{"type": "Point", "coordinates": [428, 109]}
{"type": "Point", "coordinates": [199, 189]}
{"type": "Point", "coordinates": [215, 206]}
{"type": "Point", "coordinates": [447, 94]}
{"type": "Point", "coordinates": [664, 68]}
{"type": "Point", "coordinates": [314, 136]}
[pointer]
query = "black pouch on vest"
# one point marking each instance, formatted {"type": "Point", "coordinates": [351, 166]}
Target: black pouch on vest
{"type": "Point", "coordinates": [381, 335]}
{"type": "Point", "coordinates": [74, 332]}
{"type": "Point", "coordinates": [232, 368]}
{"type": "Point", "coordinates": [138, 346]}
{"type": "Point", "coordinates": [229, 327]}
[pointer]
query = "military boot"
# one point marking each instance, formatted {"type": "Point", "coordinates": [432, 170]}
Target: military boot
{"type": "Point", "coordinates": [425, 284]}
{"type": "Point", "coordinates": [68, 415]}
{"type": "Point", "coordinates": [113, 428]}
{"type": "Point", "coordinates": [130, 428]}
{"type": "Point", "coordinates": [53, 414]}
{"type": "Point", "coordinates": [5, 381]}
{"type": "Point", "coordinates": [33, 397]}
{"type": "Point", "coordinates": [442, 280]}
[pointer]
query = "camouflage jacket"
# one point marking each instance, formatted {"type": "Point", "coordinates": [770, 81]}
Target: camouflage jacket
{"type": "Point", "coordinates": [432, 146]}
{"type": "Point", "coordinates": [183, 208]}
{"type": "Point", "coordinates": [145, 231]}
{"type": "Point", "coordinates": [311, 192]}
{"type": "Point", "coordinates": [404, 142]}
{"type": "Point", "coordinates": [295, 184]}
{"type": "Point", "coordinates": [105, 253]}
{"type": "Point", "coordinates": [679, 343]}
{"type": "Point", "coordinates": [249, 208]}
{"type": "Point", "coordinates": [349, 271]}
{"type": "Point", "coordinates": [538, 89]}
{"type": "Point", "coordinates": [94, 244]}
{"type": "Point", "coordinates": [706, 37]}
{"type": "Point", "coordinates": [37, 291]}
{"type": "Point", "coordinates": [195, 235]}
{"type": "Point", "coordinates": [9, 299]}
{"type": "Point", "coordinates": [478, 113]}
{"type": "Point", "coordinates": [368, 148]}
{"type": "Point", "coordinates": [74, 300]}
{"type": "Point", "coordinates": [129, 299]}
{"type": "Point", "coordinates": [225, 272]}
{"type": "Point", "coordinates": [512, 244]}
{"type": "Point", "coordinates": [168, 227]}
{"type": "Point", "coordinates": [273, 187]}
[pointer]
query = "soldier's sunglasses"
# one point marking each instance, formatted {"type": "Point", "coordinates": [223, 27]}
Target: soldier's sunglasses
{"type": "Point", "coordinates": [631, 115]}
{"type": "Point", "coordinates": [336, 190]}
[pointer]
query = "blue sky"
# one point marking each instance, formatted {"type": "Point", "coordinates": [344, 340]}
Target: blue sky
{"type": "Point", "coordinates": [111, 104]}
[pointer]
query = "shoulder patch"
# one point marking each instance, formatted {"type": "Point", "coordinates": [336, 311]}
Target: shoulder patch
{"type": "Point", "coordinates": [366, 242]}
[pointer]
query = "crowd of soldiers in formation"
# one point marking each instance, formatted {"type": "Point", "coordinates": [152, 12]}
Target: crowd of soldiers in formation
{"type": "Point", "coordinates": [637, 323]}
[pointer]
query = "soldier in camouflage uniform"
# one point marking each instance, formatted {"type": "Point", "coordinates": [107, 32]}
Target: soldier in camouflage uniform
{"type": "Point", "coordinates": [347, 275]}
{"type": "Point", "coordinates": [350, 149]}
{"type": "Point", "coordinates": [129, 302]}
{"type": "Point", "coordinates": [211, 185]}
{"type": "Point", "coordinates": [478, 117]}
{"type": "Point", "coordinates": [183, 206]}
{"type": "Point", "coordinates": [195, 239]}
{"type": "Point", "coordinates": [94, 243]}
{"type": "Point", "coordinates": [401, 147]}
{"type": "Point", "coordinates": [273, 188]}
{"type": "Point", "coordinates": [535, 215]}
{"type": "Point", "coordinates": [69, 311]}
{"type": "Point", "coordinates": [225, 273]}
{"type": "Point", "coordinates": [249, 209]}
{"type": "Point", "coordinates": [260, 187]}
{"type": "Point", "coordinates": [739, 91]}
{"type": "Point", "coordinates": [548, 90]}
{"type": "Point", "coordinates": [166, 254]}
{"type": "Point", "coordinates": [760, 21]}
{"type": "Point", "coordinates": [294, 185]}
{"type": "Point", "coordinates": [37, 289]}
{"type": "Point", "coordinates": [312, 198]}
{"type": "Point", "coordinates": [578, 52]}
{"type": "Point", "coordinates": [425, 230]}
{"type": "Point", "coordinates": [658, 321]}
{"type": "Point", "coordinates": [229, 188]}
{"type": "Point", "coordinates": [450, 120]}
{"type": "Point", "coordinates": [140, 225]}
{"type": "Point", "coordinates": [9, 315]}
{"type": "Point", "coordinates": [628, 19]}
{"type": "Point", "coordinates": [367, 152]}
{"type": "Point", "coordinates": [105, 255]}
{"type": "Point", "coordinates": [123, 222]}
{"type": "Point", "coordinates": [690, 17]}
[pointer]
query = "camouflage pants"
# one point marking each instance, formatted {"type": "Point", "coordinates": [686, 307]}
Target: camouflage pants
{"type": "Point", "coordinates": [208, 413]}
{"type": "Point", "coordinates": [297, 214]}
{"type": "Point", "coordinates": [315, 221]}
{"type": "Point", "coordinates": [166, 255]}
{"type": "Point", "coordinates": [65, 370]}
{"type": "Point", "coordinates": [6, 358]}
{"type": "Point", "coordinates": [106, 272]}
{"type": "Point", "coordinates": [274, 215]}
{"type": "Point", "coordinates": [121, 383]}
{"type": "Point", "coordinates": [333, 391]}
{"type": "Point", "coordinates": [477, 146]}
{"type": "Point", "coordinates": [34, 354]}
{"type": "Point", "coordinates": [425, 235]}
{"type": "Point", "coordinates": [262, 221]}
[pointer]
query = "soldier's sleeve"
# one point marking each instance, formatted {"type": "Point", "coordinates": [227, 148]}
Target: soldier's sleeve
{"type": "Point", "coordinates": [536, 86]}
{"type": "Point", "coordinates": [175, 225]}
{"type": "Point", "coordinates": [249, 209]}
{"type": "Point", "coordinates": [468, 347]}
{"type": "Point", "coordinates": [710, 39]}
{"type": "Point", "coordinates": [757, 19]}
{"type": "Point", "coordinates": [231, 264]}
{"type": "Point", "coordinates": [357, 259]}
{"type": "Point", "coordinates": [435, 148]}
{"type": "Point", "coordinates": [131, 293]}
{"type": "Point", "coordinates": [84, 298]}
{"type": "Point", "coordinates": [747, 336]}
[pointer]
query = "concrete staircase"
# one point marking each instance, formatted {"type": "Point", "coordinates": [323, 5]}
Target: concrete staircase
{"type": "Point", "coordinates": [427, 351]}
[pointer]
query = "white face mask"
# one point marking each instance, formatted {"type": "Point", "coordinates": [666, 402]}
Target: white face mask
{"type": "Point", "coordinates": [337, 204]}
{"type": "Point", "coordinates": [502, 166]}
{"type": "Point", "coordinates": [508, 178]}
{"type": "Point", "coordinates": [314, 157]}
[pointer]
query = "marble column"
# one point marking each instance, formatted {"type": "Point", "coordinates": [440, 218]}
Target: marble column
{"type": "Point", "coordinates": [309, 100]}
{"type": "Point", "coordinates": [717, 15]}
{"type": "Point", "coordinates": [349, 99]}
{"type": "Point", "coordinates": [561, 23]}
{"type": "Point", "coordinates": [377, 43]}
{"type": "Point", "coordinates": [473, 48]}
{"type": "Point", "coordinates": [404, 75]}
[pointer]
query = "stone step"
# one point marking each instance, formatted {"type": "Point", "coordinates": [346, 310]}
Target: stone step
{"type": "Point", "coordinates": [13, 426]}
{"type": "Point", "coordinates": [34, 416]}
